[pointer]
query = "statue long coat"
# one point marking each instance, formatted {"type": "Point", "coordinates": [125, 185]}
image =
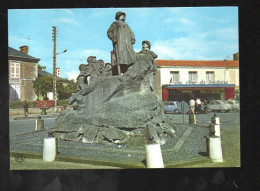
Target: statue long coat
{"type": "Point", "coordinates": [123, 38]}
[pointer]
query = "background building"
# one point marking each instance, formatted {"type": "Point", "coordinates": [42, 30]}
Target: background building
{"type": "Point", "coordinates": [23, 70]}
{"type": "Point", "coordinates": [180, 79]}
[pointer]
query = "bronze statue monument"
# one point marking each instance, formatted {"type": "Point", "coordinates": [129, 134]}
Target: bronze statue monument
{"type": "Point", "coordinates": [117, 109]}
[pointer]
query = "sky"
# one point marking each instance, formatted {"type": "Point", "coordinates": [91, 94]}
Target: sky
{"type": "Point", "coordinates": [176, 33]}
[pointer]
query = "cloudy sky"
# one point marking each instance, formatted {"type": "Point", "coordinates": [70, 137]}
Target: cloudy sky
{"type": "Point", "coordinates": [195, 33]}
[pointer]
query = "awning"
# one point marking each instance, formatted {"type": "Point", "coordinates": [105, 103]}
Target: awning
{"type": "Point", "coordinates": [198, 86]}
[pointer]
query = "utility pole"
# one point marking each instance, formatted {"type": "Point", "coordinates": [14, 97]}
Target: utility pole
{"type": "Point", "coordinates": [54, 67]}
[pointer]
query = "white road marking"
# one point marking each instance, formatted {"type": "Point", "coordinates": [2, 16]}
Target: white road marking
{"type": "Point", "coordinates": [182, 139]}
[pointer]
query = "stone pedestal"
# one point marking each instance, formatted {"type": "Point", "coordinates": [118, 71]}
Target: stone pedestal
{"type": "Point", "coordinates": [124, 102]}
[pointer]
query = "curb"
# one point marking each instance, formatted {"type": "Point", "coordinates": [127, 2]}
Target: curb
{"type": "Point", "coordinates": [186, 163]}
{"type": "Point", "coordinates": [139, 165]}
{"type": "Point", "coordinates": [35, 117]}
{"type": "Point", "coordinates": [65, 158]}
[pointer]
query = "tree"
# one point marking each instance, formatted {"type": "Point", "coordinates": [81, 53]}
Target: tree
{"type": "Point", "coordinates": [41, 67]}
{"type": "Point", "coordinates": [42, 86]}
{"type": "Point", "coordinates": [65, 88]}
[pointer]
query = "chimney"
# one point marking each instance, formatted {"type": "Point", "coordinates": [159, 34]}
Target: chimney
{"type": "Point", "coordinates": [236, 56]}
{"type": "Point", "coordinates": [24, 49]}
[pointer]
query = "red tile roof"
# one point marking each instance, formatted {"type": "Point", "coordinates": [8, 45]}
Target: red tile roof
{"type": "Point", "coordinates": [217, 63]}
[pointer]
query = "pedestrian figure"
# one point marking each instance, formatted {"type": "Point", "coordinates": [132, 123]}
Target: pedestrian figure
{"type": "Point", "coordinates": [123, 39]}
{"type": "Point", "coordinates": [25, 107]}
{"type": "Point", "coordinates": [198, 104]}
{"type": "Point", "coordinates": [192, 105]}
{"type": "Point", "coordinates": [205, 106]}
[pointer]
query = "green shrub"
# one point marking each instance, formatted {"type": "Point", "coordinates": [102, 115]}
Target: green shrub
{"type": "Point", "coordinates": [64, 102]}
{"type": "Point", "coordinates": [19, 104]}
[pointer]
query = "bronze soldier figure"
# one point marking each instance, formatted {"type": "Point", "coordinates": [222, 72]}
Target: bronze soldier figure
{"type": "Point", "coordinates": [146, 46]}
{"type": "Point", "coordinates": [95, 68]}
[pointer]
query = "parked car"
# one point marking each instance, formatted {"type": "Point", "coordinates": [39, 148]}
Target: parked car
{"type": "Point", "coordinates": [218, 105]}
{"type": "Point", "coordinates": [234, 104]}
{"type": "Point", "coordinates": [171, 107]}
{"type": "Point", "coordinates": [175, 107]}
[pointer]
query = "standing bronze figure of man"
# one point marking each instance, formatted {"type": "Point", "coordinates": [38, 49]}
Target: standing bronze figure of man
{"type": "Point", "coordinates": [123, 39]}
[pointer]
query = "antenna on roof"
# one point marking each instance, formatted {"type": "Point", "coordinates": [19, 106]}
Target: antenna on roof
{"type": "Point", "coordinates": [24, 37]}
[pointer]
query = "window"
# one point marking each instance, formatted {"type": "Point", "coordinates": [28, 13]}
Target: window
{"type": "Point", "coordinates": [209, 76]}
{"type": "Point", "coordinates": [217, 103]}
{"type": "Point", "coordinates": [14, 70]}
{"type": "Point", "coordinates": [230, 102]}
{"type": "Point", "coordinates": [175, 76]}
{"type": "Point", "coordinates": [193, 76]}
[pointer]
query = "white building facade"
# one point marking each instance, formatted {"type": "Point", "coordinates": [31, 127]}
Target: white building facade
{"type": "Point", "coordinates": [178, 80]}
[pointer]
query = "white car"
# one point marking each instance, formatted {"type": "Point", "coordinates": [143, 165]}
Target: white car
{"type": "Point", "coordinates": [218, 105]}
{"type": "Point", "coordinates": [234, 104]}
{"type": "Point", "coordinates": [171, 107]}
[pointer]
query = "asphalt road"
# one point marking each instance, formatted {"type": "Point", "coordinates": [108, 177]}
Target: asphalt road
{"type": "Point", "coordinates": [228, 122]}
{"type": "Point", "coordinates": [27, 125]}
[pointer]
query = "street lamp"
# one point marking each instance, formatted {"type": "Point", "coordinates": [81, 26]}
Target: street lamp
{"type": "Point", "coordinates": [55, 77]}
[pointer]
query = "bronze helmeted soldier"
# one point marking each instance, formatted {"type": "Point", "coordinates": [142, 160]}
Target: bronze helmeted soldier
{"type": "Point", "coordinates": [146, 46]}
{"type": "Point", "coordinates": [95, 68]}
{"type": "Point", "coordinates": [82, 78]}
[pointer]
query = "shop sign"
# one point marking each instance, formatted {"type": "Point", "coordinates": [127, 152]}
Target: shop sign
{"type": "Point", "coordinates": [218, 82]}
{"type": "Point", "coordinates": [190, 82]}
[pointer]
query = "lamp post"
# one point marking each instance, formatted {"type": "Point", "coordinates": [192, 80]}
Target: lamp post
{"type": "Point", "coordinates": [55, 75]}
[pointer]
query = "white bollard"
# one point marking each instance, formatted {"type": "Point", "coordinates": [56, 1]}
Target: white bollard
{"type": "Point", "coordinates": [49, 149]}
{"type": "Point", "coordinates": [153, 156]}
{"type": "Point", "coordinates": [215, 150]}
{"type": "Point", "coordinates": [217, 120]}
{"type": "Point", "coordinates": [217, 130]}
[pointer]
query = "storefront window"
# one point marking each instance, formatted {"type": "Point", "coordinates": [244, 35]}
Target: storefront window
{"type": "Point", "coordinates": [175, 76]}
